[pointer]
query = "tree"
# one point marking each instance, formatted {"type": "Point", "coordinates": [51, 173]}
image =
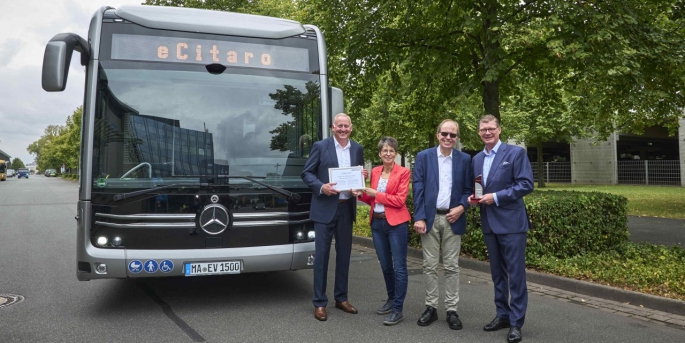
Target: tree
{"type": "Point", "coordinates": [17, 163]}
{"type": "Point", "coordinates": [616, 60]}
{"type": "Point", "coordinates": [59, 144]}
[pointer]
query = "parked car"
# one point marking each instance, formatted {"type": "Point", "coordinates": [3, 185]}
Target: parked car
{"type": "Point", "coordinates": [50, 172]}
{"type": "Point", "coordinates": [23, 173]}
{"type": "Point", "coordinates": [11, 172]}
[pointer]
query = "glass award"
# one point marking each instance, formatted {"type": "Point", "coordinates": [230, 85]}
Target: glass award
{"type": "Point", "coordinates": [478, 188]}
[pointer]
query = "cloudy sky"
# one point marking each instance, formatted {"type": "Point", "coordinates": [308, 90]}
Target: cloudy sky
{"type": "Point", "coordinates": [26, 26]}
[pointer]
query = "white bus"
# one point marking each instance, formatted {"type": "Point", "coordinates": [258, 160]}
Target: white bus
{"type": "Point", "coordinates": [196, 126]}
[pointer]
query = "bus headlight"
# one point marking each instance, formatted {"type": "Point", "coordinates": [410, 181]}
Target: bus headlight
{"type": "Point", "coordinates": [102, 241]}
{"type": "Point", "coordinates": [116, 241]}
{"type": "Point", "coordinates": [311, 235]}
{"type": "Point", "coordinates": [299, 235]}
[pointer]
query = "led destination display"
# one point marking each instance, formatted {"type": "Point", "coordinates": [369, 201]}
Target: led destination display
{"type": "Point", "coordinates": [202, 51]}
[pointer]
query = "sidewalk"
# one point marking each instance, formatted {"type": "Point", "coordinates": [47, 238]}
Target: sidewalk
{"type": "Point", "coordinates": [645, 307]}
{"type": "Point", "coordinates": [649, 307]}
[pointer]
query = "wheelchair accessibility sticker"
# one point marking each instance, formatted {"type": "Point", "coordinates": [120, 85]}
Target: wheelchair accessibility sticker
{"type": "Point", "coordinates": [166, 266]}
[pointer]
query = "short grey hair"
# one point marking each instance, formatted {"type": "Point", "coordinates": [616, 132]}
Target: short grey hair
{"type": "Point", "coordinates": [389, 141]}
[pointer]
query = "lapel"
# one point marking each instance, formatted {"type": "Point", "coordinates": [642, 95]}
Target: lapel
{"type": "Point", "coordinates": [433, 161]}
{"type": "Point", "coordinates": [477, 165]}
{"type": "Point", "coordinates": [454, 168]}
{"type": "Point", "coordinates": [499, 156]}
{"type": "Point", "coordinates": [393, 177]}
{"type": "Point", "coordinates": [331, 152]}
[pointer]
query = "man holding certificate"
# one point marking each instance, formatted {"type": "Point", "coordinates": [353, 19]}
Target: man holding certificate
{"type": "Point", "coordinates": [333, 209]}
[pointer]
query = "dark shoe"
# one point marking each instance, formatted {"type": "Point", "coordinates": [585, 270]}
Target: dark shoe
{"type": "Point", "coordinates": [386, 308]}
{"type": "Point", "coordinates": [514, 335]}
{"type": "Point", "coordinates": [393, 318]}
{"type": "Point", "coordinates": [320, 313]}
{"type": "Point", "coordinates": [496, 324]}
{"type": "Point", "coordinates": [429, 315]}
{"type": "Point", "coordinates": [453, 320]}
{"type": "Point", "coordinates": [346, 306]}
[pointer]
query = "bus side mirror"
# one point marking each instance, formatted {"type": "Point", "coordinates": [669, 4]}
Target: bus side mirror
{"type": "Point", "coordinates": [337, 101]}
{"type": "Point", "coordinates": [57, 58]}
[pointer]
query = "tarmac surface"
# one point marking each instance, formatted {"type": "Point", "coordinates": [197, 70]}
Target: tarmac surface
{"type": "Point", "coordinates": [646, 307]}
{"type": "Point", "coordinates": [662, 231]}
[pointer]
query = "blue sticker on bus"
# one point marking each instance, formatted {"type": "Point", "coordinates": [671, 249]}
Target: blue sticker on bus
{"type": "Point", "coordinates": [166, 266]}
{"type": "Point", "coordinates": [151, 266]}
{"type": "Point", "coordinates": [135, 266]}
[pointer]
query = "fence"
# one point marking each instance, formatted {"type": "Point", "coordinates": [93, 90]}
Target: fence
{"type": "Point", "coordinates": [636, 172]}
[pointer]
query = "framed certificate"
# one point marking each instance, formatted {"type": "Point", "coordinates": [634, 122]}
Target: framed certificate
{"type": "Point", "coordinates": [347, 178]}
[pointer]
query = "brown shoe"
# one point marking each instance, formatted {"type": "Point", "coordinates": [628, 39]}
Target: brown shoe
{"type": "Point", "coordinates": [320, 313]}
{"type": "Point", "coordinates": [346, 306]}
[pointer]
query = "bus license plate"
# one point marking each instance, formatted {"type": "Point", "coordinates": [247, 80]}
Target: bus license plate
{"type": "Point", "coordinates": [212, 268]}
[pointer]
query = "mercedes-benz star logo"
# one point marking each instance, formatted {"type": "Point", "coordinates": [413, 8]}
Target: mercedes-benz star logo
{"type": "Point", "coordinates": [214, 219]}
{"type": "Point", "coordinates": [214, 199]}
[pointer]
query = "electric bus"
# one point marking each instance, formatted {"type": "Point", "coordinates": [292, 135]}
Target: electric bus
{"type": "Point", "coordinates": [196, 127]}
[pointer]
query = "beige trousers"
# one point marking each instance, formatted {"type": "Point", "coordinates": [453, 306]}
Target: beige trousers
{"type": "Point", "coordinates": [441, 236]}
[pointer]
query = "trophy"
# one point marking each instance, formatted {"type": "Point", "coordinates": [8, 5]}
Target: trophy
{"type": "Point", "coordinates": [478, 188]}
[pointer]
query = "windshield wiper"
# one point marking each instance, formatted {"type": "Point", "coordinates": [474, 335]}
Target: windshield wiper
{"type": "Point", "coordinates": [291, 196]}
{"type": "Point", "coordinates": [123, 196]}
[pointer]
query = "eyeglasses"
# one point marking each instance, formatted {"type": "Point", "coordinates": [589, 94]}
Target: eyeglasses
{"type": "Point", "coordinates": [452, 135]}
{"type": "Point", "coordinates": [388, 152]}
{"type": "Point", "coordinates": [489, 129]}
{"type": "Point", "coordinates": [342, 126]}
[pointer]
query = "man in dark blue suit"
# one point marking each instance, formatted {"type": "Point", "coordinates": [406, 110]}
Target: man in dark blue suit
{"type": "Point", "coordinates": [441, 186]}
{"type": "Point", "coordinates": [332, 212]}
{"type": "Point", "coordinates": [506, 177]}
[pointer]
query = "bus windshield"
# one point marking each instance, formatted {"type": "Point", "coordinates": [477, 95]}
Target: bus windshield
{"type": "Point", "coordinates": [170, 125]}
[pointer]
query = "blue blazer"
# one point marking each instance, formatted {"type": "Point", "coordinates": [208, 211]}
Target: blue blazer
{"type": "Point", "coordinates": [511, 178]}
{"type": "Point", "coordinates": [426, 182]}
{"type": "Point", "coordinates": [315, 175]}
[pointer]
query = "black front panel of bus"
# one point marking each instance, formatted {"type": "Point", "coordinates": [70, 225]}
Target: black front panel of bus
{"type": "Point", "coordinates": [257, 230]}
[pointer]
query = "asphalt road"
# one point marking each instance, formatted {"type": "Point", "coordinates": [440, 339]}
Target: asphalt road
{"type": "Point", "coordinates": [37, 261]}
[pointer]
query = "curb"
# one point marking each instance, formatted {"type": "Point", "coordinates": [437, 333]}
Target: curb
{"type": "Point", "coordinates": [582, 287]}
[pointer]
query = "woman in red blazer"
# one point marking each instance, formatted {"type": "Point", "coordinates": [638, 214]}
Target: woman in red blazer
{"type": "Point", "coordinates": [389, 226]}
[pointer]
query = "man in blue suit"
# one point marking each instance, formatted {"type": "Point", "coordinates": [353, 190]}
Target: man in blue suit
{"type": "Point", "coordinates": [332, 212]}
{"type": "Point", "coordinates": [441, 186]}
{"type": "Point", "coordinates": [506, 177]}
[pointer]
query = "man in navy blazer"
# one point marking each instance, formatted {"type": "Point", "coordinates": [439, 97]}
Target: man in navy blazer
{"type": "Point", "coordinates": [332, 212]}
{"type": "Point", "coordinates": [441, 186]}
{"type": "Point", "coordinates": [507, 177]}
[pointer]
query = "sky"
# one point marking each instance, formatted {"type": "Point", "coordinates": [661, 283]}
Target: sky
{"type": "Point", "coordinates": [26, 26]}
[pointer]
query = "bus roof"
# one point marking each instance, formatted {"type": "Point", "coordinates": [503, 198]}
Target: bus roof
{"type": "Point", "coordinates": [208, 21]}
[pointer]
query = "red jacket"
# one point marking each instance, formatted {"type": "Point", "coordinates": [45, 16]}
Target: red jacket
{"type": "Point", "coordinates": [395, 196]}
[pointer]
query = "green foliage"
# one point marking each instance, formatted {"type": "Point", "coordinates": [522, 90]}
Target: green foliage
{"type": "Point", "coordinates": [646, 268]}
{"type": "Point", "coordinates": [565, 224]}
{"type": "Point", "coordinates": [17, 163]}
{"type": "Point", "coordinates": [550, 68]}
{"type": "Point", "coordinates": [59, 144]}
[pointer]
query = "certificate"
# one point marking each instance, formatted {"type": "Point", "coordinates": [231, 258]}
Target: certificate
{"type": "Point", "coordinates": [347, 178]}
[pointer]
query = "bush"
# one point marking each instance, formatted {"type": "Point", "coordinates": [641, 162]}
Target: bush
{"type": "Point", "coordinates": [647, 268]}
{"type": "Point", "coordinates": [565, 224]}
